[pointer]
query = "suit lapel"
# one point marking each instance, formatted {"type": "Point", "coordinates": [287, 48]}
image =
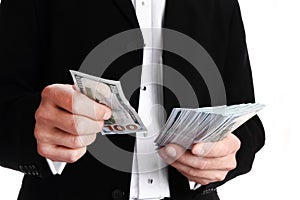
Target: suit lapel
{"type": "Point", "coordinates": [127, 9]}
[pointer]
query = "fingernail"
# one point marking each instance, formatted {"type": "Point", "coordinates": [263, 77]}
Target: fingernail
{"type": "Point", "coordinates": [163, 155]}
{"type": "Point", "coordinates": [200, 152]}
{"type": "Point", "coordinates": [171, 152]}
{"type": "Point", "coordinates": [107, 115]}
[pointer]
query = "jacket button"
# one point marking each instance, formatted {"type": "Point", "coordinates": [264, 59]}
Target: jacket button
{"type": "Point", "coordinates": [26, 169]}
{"type": "Point", "coordinates": [118, 194]}
{"type": "Point", "coordinates": [21, 168]}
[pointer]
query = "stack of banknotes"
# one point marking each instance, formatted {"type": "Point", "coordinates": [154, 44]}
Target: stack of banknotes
{"type": "Point", "coordinates": [209, 124]}
{"type": "Point", "coordinates": [184, 126]}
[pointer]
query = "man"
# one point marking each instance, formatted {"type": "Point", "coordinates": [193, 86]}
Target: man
{"type": "Point", "coordinates": [42, 116]}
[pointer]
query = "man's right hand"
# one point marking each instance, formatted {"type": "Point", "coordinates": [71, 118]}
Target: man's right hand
{"type": "Point", "coordinates": [67, 122]}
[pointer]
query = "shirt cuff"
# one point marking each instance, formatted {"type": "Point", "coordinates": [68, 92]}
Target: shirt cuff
{"type": "Point", "coordinates": [56, 167]}
{"type": "Point", "coordinates": [194, 185]}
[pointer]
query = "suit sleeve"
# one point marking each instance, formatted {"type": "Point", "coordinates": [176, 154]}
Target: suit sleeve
{"type": "Point", "coordinates": [19, 86]}
{"type": "Point", "coordinates": [239, 89]}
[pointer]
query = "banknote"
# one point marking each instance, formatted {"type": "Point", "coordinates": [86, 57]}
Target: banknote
{"type": "Point", "coordinates": [124, 119]}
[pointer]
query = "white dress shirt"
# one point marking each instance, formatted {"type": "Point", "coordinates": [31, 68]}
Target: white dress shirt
{"type": "Point", "coordinates": [149, 173]}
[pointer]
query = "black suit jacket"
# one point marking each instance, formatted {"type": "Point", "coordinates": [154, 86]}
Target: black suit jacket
{"type": "Point", "coordinates": [40, 40]}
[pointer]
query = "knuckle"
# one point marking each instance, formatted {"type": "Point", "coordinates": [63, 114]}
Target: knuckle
{"type": "Point", "coordinates": [220, 176]}
{"type": "Point", "coordinates": [42, 115]}
{"type": "Point", "coordinates": [72, 157]}
{"type": "Point", "coordinates": [238, 144]}
{"type": "Point", "coordinates": [37, 133]}
{"type": "Point", "coordinates": [75, 156]}
{"type": "Point", "coordinates": [44, 151]}
{"type": "Point", "coordinates": [202, 164]}
{"type": "Point", "coordinates": [39, 114]}
{"type": "Point", "coordinates": [233, 165]}
{"type": "Point", "coordinates": [41, 136]}
{"type": "Point", "coordinates": [47, 92]}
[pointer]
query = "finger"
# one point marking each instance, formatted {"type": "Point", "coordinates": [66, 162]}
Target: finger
{"type": "Point", "coordinates": [65, 97]}
{"type": "Point", "coordinates": [228, 145]}
{"type": "Point", "coordinates": [59, 95]}
{"type": "Point", "coordinates": [171, 152]}
{"type": "Point", "coordinates": [194, 174]}
{"type": "Point", "coordinates": [206, 163]}
{"type": "Point", "coordinates": [82, 105]}
{"type": "Point", "coordinates": [60, 154]}
{"type": "Point", "coordinates": [74, 124]}
{"type": "Point", "coordinates": [201, 181]}
{"type": "Point", "coordinates": [58, 137]}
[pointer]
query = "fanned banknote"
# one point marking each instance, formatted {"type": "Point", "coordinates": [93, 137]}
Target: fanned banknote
{"type": "Point", "coordinates": [124, 119]}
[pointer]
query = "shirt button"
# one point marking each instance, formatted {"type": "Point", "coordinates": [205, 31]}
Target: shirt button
{"type": "Point", "coordinates": [30, 168]}
{"type": "Point", "coordinates": [150, 181]}
{"type": "Point", "coordinates": [118, 194]}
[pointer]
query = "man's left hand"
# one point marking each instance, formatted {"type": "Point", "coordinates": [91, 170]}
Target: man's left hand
{"type": "Point", "coordinates": [206, 162]}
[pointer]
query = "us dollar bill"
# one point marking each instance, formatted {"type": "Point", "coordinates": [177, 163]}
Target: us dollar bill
{"type": "Point", "coordinates": [124, 119]}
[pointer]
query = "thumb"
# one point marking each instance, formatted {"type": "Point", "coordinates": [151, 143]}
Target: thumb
{"type": "Point", "coordinates": [171, 152]}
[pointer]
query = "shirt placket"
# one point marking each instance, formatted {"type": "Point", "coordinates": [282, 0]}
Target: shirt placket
{"type": "Point", "coordinates": [149, 109]}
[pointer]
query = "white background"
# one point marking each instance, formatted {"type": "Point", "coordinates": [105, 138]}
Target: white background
{"type": "Point", "coordinates": [273, 37]}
